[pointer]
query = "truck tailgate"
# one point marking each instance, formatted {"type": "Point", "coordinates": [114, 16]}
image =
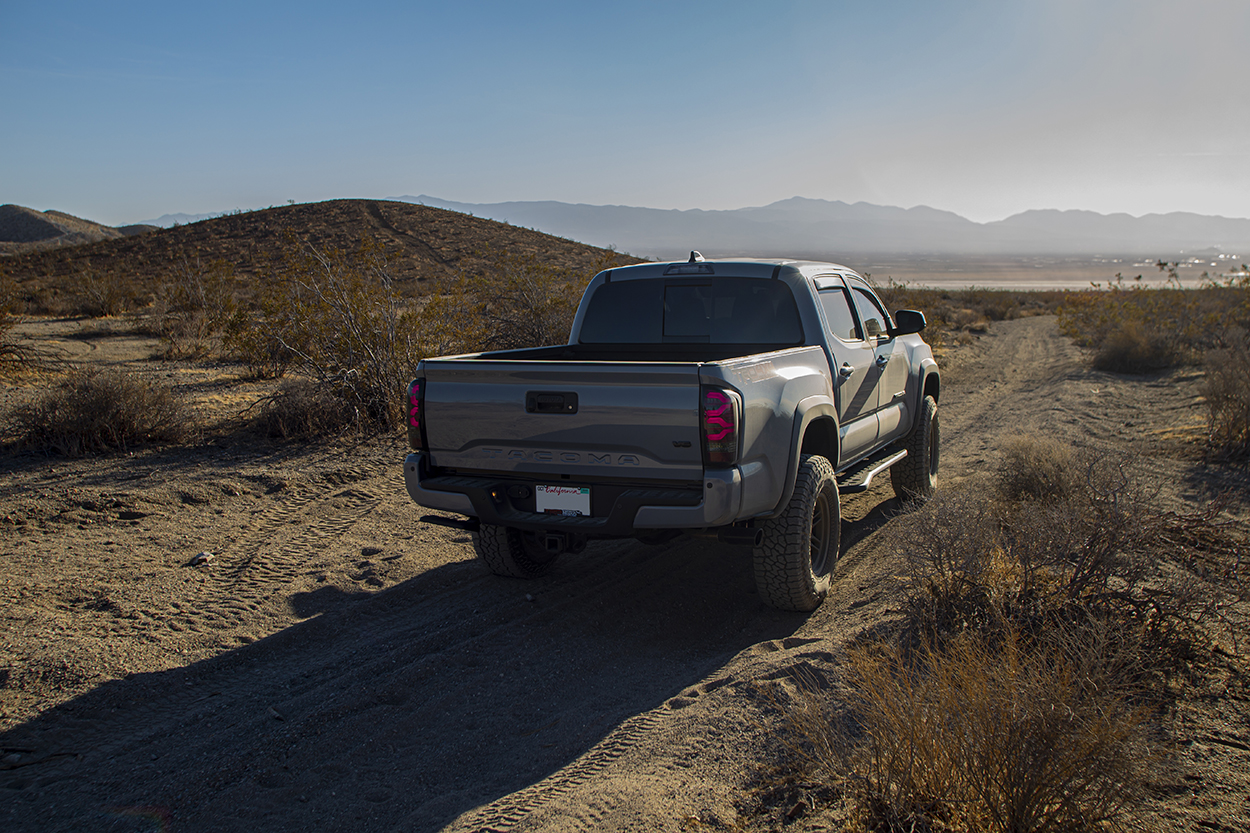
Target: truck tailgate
{"type": "Point", "coordinates": [582, 419]}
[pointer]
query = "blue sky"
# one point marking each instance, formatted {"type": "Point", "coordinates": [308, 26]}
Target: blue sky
{"type": "Point", "coordinates": [124, 111]}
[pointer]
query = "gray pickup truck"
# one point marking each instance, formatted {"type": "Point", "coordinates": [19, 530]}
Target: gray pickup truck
{"type": "Point", "coordinates": [733, 398]}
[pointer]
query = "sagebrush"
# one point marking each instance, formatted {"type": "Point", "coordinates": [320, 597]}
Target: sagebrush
{"type": "Point", "coordinates": [101, 410]}
{"type": "Point", "coordinates": [978, 733]}
{"type": "Point", "coordinates": [336, 319]}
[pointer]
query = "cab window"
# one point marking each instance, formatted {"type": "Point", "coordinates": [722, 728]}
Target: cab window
{"type": "Point", "coordinates": [873, 318]}
{"type": "Point", "coordinates": [726, 310]}
{"type": "Point", "coordinates": [838, 313]}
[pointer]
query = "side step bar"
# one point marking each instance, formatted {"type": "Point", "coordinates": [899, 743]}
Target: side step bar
{"type": "Point", "coordinates": [859, 477]}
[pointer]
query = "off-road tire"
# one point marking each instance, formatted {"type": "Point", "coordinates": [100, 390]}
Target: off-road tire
{"type": "Point", "coordinates": [510, 552]}
{"type": "Point", "coordinates": [915, 476]}
{"type": "Point", "coordinates": [794, 561]}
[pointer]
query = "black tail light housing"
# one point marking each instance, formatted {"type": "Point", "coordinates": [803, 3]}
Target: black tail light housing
{"type": "Point", "coordinates": [720, 418]}
{"type": "Point", "coordinates": [415, 409]}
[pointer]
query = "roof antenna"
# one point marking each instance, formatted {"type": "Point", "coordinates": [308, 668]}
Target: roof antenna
{"type": "Point", "coordinates": [695, 257]}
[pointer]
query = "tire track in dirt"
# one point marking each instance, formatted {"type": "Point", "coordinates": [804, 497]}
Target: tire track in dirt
{"type": "Point", "coordinates": [275, 549]}
{"type": "Point", "coordinates": [1009, 382]}
{"type": "Point", "coordinates": [387, 671]}
{"type": "Point", "coordinates": [506, 813]}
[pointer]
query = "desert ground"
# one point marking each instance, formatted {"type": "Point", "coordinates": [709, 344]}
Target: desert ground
{"type": "Point", "coordinates": [240, 634]}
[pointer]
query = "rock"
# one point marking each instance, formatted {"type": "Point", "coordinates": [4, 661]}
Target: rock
{"type": "Point", "coordinates": [367, 551]}
{"type": "Point", "coordinates": [202, 558]}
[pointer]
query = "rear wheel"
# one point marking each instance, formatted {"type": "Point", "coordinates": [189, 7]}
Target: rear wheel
{"type": "Point", "coordinates": [511, 552]}
{"type": "Point", "coordinates": [915, 476]}
{"type": "Point", "coordinates": [794, 561]}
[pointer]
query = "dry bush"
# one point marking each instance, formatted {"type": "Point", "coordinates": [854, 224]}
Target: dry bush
{"type": "Point", "coordinates": [979, 733]}
{"type": "Point", "coordinates": [1140, 330]}
{"type": "Point", "coordinates": [1042, 551]}
{"type": "Point", "coordinates": [1033, 466]}
{"type": "Point", "coordinates": [100, 410]}
{"type": "Point", "coordinates": [1047, 613]}
{"type": "Point", "coordinates": [336, 317]}
{"type": "Point", "coordinates": [516, 301]}
{"type": "Point", "coordinates": [102, 292]}
{"type": "Point", "coordinates": [11, 354]}
{"type": "Point", "coordinates": [1228, 400]}
{"type": "Point", "coordinates": [191, 305]}
{"type": "Point", "coordinates": [303, 409]}
{"type": "Point", "coordinates": [1131, 347]}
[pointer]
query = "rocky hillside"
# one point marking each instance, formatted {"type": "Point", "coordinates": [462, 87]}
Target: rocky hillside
{"type": "Point", "coordinates": [421, 243]}
{"type": "Point", "coordinates": [27, 230]}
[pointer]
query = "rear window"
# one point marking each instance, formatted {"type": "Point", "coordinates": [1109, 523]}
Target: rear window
{"type": "Point", "coordinates": [714, 311]}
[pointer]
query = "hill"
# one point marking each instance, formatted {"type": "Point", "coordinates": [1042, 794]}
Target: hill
{"type": "Point", "coordinates": [824, 229]}
{"type": "Point", "coordinates": [422, 243]}
{"type": "Point", "coordinates": [25, 229]}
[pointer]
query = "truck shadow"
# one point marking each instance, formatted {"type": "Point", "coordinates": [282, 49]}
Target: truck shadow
{"type": "Point", "coordinates": [404, 707]}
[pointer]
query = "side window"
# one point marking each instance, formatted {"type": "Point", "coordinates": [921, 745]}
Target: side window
{"type": "Point", "coordinates": [870, 314]}
{"type": "Point", "coordinates": [838, 312]}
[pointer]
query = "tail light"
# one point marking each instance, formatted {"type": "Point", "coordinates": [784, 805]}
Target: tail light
{"type": "Point", "coordinates": [721, 419]}
{"type": "Point", "coordinates": [415, 408]}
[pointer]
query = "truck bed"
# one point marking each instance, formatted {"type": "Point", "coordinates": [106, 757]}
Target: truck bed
{"type": "Point", "coordinates": [669, 352]}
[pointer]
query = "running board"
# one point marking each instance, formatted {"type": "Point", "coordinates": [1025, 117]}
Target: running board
{"type": "Point", "coordinates": [859, 477]}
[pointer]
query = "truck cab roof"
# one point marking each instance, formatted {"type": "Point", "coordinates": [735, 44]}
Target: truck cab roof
{"type": "Point", "coordinates": [742, 267]}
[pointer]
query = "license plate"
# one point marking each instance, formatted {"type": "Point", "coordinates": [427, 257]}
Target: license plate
{"type": "Point", "coordinates": [562, 500]}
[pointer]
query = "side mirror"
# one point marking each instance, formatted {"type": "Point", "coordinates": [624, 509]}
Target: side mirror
{"type": "Point", "coordinates": [907, 321]}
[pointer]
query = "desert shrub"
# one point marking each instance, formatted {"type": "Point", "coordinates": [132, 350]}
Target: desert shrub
{"type": "Point", "coordinates": [515, 301]}
{"type": "Point", "coordinates": [336, 317]}
{"type": "Point", "coordinates": [979, 733]}
{"type": "Point", "coordinates": [1228, 400]}
{"type": "Point", "coordinates": [303, 409]}
{"type": "Point", "coordinates": [103, 293]}
{"type": "Point", "coordinates": [10, 352]}
{"type": "Point", "coordinates": [94, 411]}
{"type": "Point", "coordinates": [1038, 552]}
{"type": "Point", "coordinates": [1035, 466]}
{"type": "Point", "coordinates": [1132, 329]}
{"type": "Point", "coordinates": [1130, 347]}
{"type": "Point", "coordinates": [1048, 613]}
{"type": "Point", "coordinates": [191, 304]}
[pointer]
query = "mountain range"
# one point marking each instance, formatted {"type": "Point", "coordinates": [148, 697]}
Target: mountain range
{"type": "Point", "coordinates": [822, 229]}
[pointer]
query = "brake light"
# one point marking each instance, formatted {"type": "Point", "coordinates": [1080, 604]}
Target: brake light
{"type": "Point", "coordinates": [720, 427]}
{"type": "Point", "coordinates": [415, 409]}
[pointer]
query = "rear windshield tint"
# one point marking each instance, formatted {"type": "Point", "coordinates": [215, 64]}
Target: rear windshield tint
{"type": "Point", "coordinates": [716, 311]}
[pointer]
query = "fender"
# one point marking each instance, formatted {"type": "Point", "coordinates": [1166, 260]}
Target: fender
{"type": "Point", "coordinates": [929, 379]}
{"type": "Point", "coordinates": [809, 410]}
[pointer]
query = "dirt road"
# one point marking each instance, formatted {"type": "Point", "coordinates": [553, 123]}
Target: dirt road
{"type": "Point", "coordinates": [330, 663]}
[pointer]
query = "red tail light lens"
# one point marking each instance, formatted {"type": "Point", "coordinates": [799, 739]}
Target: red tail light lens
{"type": "Point", "coordinates": [720, 427]}
{"type": "Point", "coordinates": [415, 409]}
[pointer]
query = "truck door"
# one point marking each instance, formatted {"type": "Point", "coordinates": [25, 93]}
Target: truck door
{"type": "Point", "coordinates": [853, 360]}
{"type": "Point", "coordinates": [890, 361]}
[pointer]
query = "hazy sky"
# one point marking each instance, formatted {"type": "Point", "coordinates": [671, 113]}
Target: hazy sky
{"type": "Point", "coordinates": [124, 111]}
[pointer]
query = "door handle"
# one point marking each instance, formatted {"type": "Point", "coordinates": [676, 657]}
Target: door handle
{"type": "Point", "coordinates": [882, 359]}
{"type": "Point", "coordinates": [846, 371]}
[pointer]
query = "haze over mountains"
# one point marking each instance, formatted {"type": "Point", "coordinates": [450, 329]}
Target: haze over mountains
{"type": "Point", "coordinates": [819, 228]}
{"type": "Point", "coordinates": [796, 227]}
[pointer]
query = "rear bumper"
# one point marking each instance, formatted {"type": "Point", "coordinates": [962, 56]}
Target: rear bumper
{"type": "Point", "coordinates": [618, 511]}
